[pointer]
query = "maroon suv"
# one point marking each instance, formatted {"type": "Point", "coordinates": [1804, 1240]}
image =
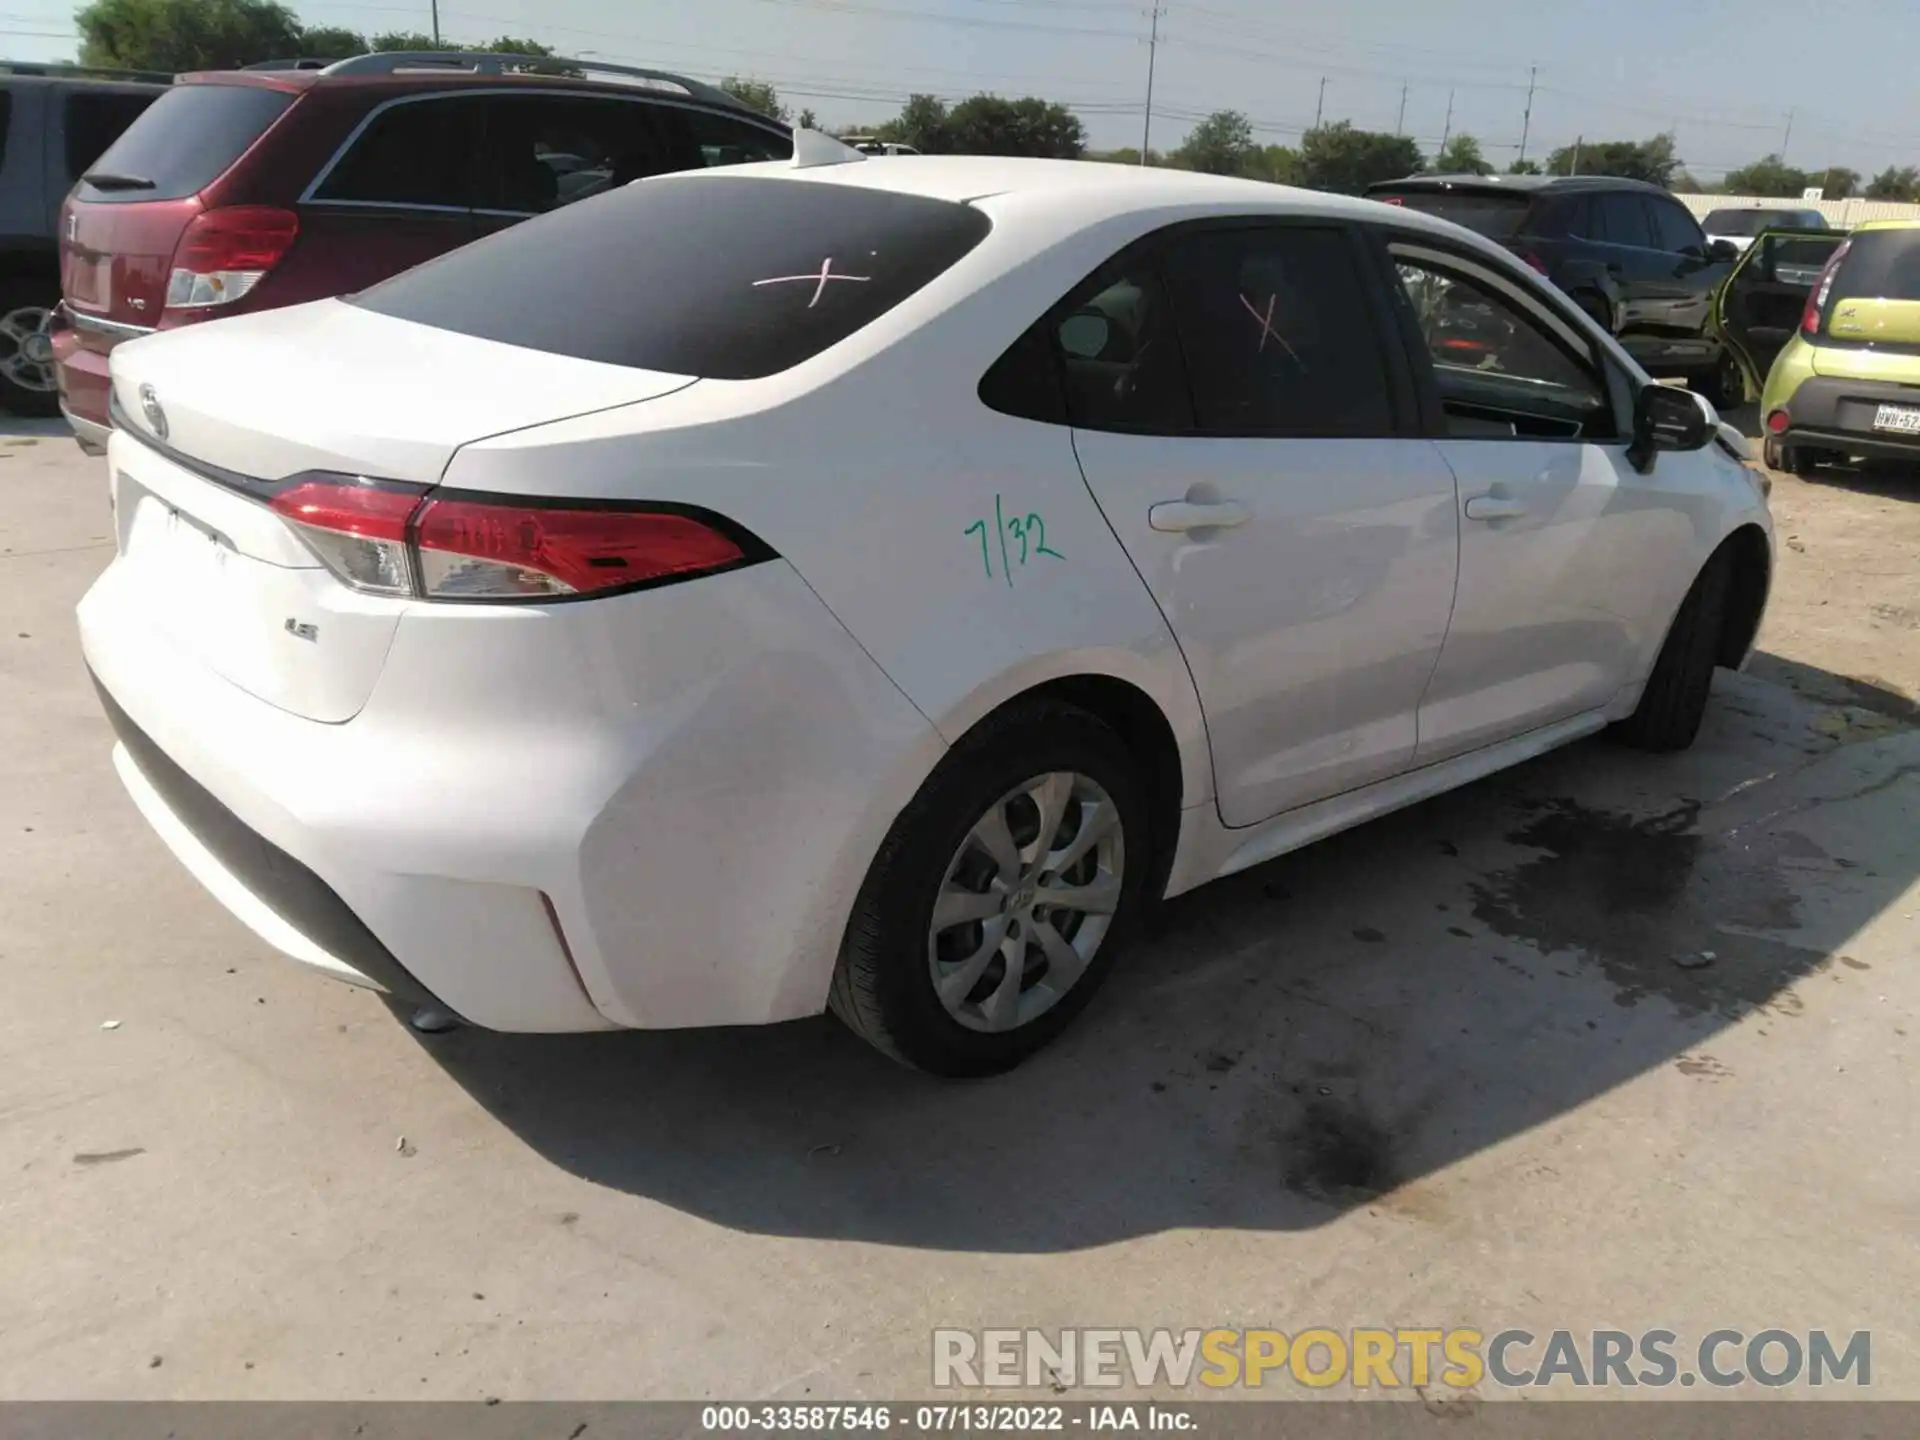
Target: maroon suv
{"type": "Point", "coordinates": [251, 189]}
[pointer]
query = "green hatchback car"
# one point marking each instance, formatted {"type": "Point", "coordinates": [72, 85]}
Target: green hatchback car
{"type": "Point", "coordinates": [1828, 328]}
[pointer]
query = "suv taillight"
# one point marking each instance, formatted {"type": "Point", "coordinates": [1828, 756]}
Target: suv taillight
{"type": "Point", "coordinates": [1822, 288]}
{"type": "Point", "coordinates": [225, 253]}
{"type": "Point", "coordinates": [386, 539]}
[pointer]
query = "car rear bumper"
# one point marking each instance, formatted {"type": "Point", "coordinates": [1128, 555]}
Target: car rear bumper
{"type": "Point", "coordinates": [81, 351]}
{"type": "Point", "coordinates": [650, 811]}
{"type": "Point", "coordinates": [1828, 413]}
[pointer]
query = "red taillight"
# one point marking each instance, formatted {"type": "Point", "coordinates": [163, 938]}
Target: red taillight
{"type": "Point", "coordinates": [1778, 422]}
{"type": "Point", "coordinates": [389, 540]}
{"type": "Point", "coordinates": [1811, 317]}
{"type": "Point", "coordinates": [1536, 262]}
{"type": "Point", "coordinates": [358, 529]}
{"type": "Point", "coordinates": [225, 253]}
{"type": "Point", "coordinates": [471, 547]}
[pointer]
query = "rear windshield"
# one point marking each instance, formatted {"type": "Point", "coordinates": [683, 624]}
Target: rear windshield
{"type": "Point", "coordinates": [1498, 217]}
{"type": "Point", "coordinates": [183, 142]}
{"type": "Point", "coordinates": [726, 277]}
{"type": "Point", "coordinates": [1880, 265]}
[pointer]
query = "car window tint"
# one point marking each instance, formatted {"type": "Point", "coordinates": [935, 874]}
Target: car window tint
{"type": "Point", "coordinates": [724, 140]}
{"type": "Point", "coordinates": [1625, 219]}
{"type": "Point", "coordinates": [6, 119]}
{"type": "Point", "coordinates": [94, 120]}
{"type": "Point", "coordinates": [1674, 229]}
{"type": "Point", "coordinates": [539, 152]}
{"type": "Point", "coordinates": [1879, 265]}
{"type": "Point", "coordinates": [1498, 367]}
{"type": "Point", "coordinates": [725, 276]}
{"type": "Point", "coordinates": [1278, 334]}
{"type": "Point", "coordinates": [417, 152]}
{"type": "Point", "coordinates": [185, 140]}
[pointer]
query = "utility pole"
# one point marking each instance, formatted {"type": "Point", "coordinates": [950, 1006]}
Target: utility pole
{"type": "Point", "coordinates": [436, 22]}
{"type": "Point", "coordinates": [1153, 48]}
{"type": "Point", "coordinates": [1573, 165]}
{"type": "Point", "coordinates": [1320, 108]}
{"type": "Point", "coordinates": [1447, 134]}
{"type": "Point", "coordinates": [1788, 139]}
{"type": "Point", "coordinates": [1526, 121]}
{"type": "Point", "coordinates": [1400, 125]}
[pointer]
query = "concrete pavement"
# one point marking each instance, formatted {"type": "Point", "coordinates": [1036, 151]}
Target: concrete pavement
{"type": "Point", "coordinates": [1465, 1066]}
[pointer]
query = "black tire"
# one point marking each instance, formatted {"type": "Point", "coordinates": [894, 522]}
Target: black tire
{"type": "Point", "coordinates": [1722, 387]}
{"type": "Point", "coordinates": [23, 296]}
{"type": "Point", "coordinates": [1799, 460]}
{"type": "Point", "coordinates": [1670, 710]}
{"type": "Point", "coordinates": [883, 987]}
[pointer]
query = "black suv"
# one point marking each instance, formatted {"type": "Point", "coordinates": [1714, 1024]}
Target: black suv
{"type": "Point", "coordinates": [54, 123]}
{"type": "Point", "coordinates": [1631, 255]}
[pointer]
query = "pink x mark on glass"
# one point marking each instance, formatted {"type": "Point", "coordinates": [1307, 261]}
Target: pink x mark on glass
{"type": "Point", "coordinates": [1265, 322]}
{"type": "Point", "coordinates": [822, 276]}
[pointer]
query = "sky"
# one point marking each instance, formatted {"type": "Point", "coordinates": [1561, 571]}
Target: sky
{"type": "Point", "coordinates": [1734, 79]}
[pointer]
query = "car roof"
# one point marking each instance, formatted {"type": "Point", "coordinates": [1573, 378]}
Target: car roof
{"type": "Point", "coordinates": [1887, 225]}
{"type": "Point", "coordinates": [410, 78]}
{"type": "Point", "coordinates": [1521, 184]}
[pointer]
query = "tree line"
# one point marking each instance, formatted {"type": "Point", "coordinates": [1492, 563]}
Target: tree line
{"type": "Point", "coordinates": [179, 35]}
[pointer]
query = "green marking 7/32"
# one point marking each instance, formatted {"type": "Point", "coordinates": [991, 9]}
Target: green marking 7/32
{"type": "Point", "coordinates": [1028, 532]}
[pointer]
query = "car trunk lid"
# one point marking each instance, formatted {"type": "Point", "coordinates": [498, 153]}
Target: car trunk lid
{"type": "Point", "coordinates": [214, 421]}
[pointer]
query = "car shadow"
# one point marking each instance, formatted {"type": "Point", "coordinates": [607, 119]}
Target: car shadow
{"type": "Point", "coordinates": [1883, 479]}
{"type": "Point", "coordinates": [1333, 1029]}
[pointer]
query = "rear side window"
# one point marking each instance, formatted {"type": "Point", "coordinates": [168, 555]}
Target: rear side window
{"type": "Point", "coordinates": [1880, 265]}
{"type": "Point", "coordinates": [1498, 217]}
{"type": "Point", "coordinates": [94, 120]}
{"type": "Point", "coordinates": [728, 277]}
{"type": "Point", "coordinates": [1278, 332]}
{"type": "Point", "coordinates": [414, 153]}
{"type": "Point", "coordinates": [183, 142]}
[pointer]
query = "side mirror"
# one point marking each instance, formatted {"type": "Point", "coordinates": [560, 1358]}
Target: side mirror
{"type": "Point", "coordinates": [1665, 417]}
{"type": "Point", "coordinates": [1084, 336]}
{"type": "Point", "coordinates": [1722, 250]}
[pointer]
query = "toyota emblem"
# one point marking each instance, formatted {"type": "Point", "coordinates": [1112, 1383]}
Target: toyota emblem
{"type": "Point", "coordinates": [150, 407]}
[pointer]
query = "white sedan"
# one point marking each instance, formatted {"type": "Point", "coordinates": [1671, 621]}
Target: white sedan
{"type": "Point", "coordinates": [875, 585]}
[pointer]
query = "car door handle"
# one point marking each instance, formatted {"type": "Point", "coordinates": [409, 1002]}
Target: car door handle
{"type": "Point", "coordinates": [1495, 507]}
{"type": "Point", "coordinates": [1176, 516]}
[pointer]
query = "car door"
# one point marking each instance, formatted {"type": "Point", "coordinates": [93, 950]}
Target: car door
{"type": "Point", "coordinates": [399, 193]}
{"type": "Point", "coordinates": [1244, 417]}
{"type": "Point", "coordinates": [1761, 305]}
{"type": "Point", "coordinates": [1684, 283]}
{"type": "Point", "coordinates": [1561, 538]}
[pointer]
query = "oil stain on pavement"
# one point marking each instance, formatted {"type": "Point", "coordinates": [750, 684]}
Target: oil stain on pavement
{"type": "Point", "coordinates": [1662, 907]}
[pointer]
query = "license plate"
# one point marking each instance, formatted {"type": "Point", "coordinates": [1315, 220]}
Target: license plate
{"type": "Point", "coordinates": [1902, 419]}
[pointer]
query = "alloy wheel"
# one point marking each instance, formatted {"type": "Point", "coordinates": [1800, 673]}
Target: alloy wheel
{"type": "Point", "coordinates": [26, 350]}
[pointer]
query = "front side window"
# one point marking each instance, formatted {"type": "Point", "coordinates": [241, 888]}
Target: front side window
{"type": "Point", "coordinates": [1504, 368]}
{"type": "Point", "coordinates": [722, 276]}
{"type": "Point", "coordinates": [417, 152]}
{"type": "Point", "coordinates": [1623, 220]}
{"type": "Point", "coordinates": [540, 152]}
{"type": "Point", "coordinates": [1279, 333]}
{"type": "Point", "coordinates": [1674, 229]}
{"type": "Point", "coordinates": [723, 140]}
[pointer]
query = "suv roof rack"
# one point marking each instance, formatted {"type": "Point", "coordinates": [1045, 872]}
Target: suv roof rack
{"type": "Point", "coordinates": [84, 72]}
{"type": "Point", "coordinates": [308, 64]}
{"type": "Point", "coordinates": [488, 62]}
